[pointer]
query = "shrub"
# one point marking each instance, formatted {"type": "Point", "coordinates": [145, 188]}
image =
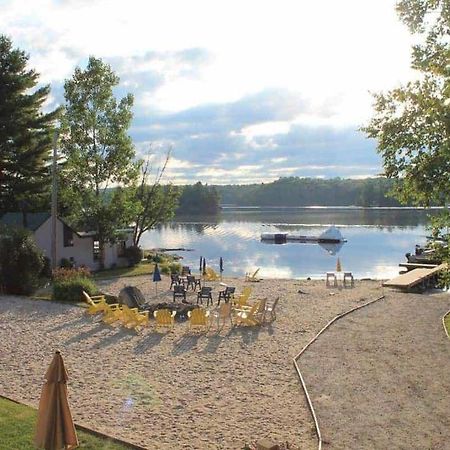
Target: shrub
{"type": "Point", "coordinates": [21, 262]}
{"type": "Point", "coordinates": [65, 274]}
{"type": "Point", "coordinates": [66, 263]}
{"type": "Point", "coordinates": [165, 270]}
{"type": "Point", "coordinates": [134, 255]}
{"type": "Point", "coordinates": [175, 268]}
{"type": "Point", "coordinates": [70, 290]}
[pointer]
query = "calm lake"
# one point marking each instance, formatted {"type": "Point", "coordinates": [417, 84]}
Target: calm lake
{"type": "Point", "coordinates": [377, 240]}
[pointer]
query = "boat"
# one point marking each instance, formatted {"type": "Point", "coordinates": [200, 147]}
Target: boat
{"type": "Point", "coordinates": [331, 236]}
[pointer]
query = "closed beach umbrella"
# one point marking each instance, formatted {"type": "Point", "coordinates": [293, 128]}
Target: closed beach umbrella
{"type": "Point", "coordinates": [156, 277]}
{"type": "Point", "coordinates": [55, 429]}
{"type": "Point", "coordinates": [221, 264]}
{"type": "Point", "coordinates": [338, 266]}
{"type": "Point", "coordinates": [201, 264]}
{"type": "Point", "coordinates": [204, 266]}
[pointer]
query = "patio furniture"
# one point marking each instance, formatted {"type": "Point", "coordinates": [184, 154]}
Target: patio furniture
{"type": "Point", "coordinates": [185, 270]}
{"type": "Point", "coordinates": [348, 278]}
{"type": "Point", "coordinates": [193, 282]}
{"type": "Point", "coordinates": [223, 313]}
{"type": "Point", "coordinates": [132, 318]}
{"type": "Point", "coordinates": [97, 303]}
{"type": "Point", "coordinates": [270, 310]}
{"type": "Point", "coordinates": [198, 318]}
{"type": "Point", "coordinates": [253, 316]}
{"type": "Point", "coordinates": [252, 277]}
{"type": "Point", "coordinates": [226, 294]}
{"type": "Point", "coordinates": [113, 313]}
{"type": "Point", "coordinates": [331, 277]}
{"type": "Point", "coordinates": [164, 318]}
{"type": "Point", "coordinates": [243, 297]}
{"type": "Point", "coordinates": [205, 293]}
{"type": "Point", "coordinates": [179, 291]}
{"type": "Point", "coordinates": [174, 280]}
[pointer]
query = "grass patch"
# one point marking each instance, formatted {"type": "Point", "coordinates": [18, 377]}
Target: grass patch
{"type": "Point", "coordinates": [143, 268]}
{"type": "Point", "coordinates": [17, 428]}
{"type": "Point", "coordinates": [447, 323]}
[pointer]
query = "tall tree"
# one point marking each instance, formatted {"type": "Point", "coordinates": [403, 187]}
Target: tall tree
{"type": "Point", "coordinates": [99, 153]}
{"type": "Point", "coordinates": [25, 133]}
{"type": "Point", "coordinates": [156, 203]}
{"type": "Point", "coordinates": [412, 123]}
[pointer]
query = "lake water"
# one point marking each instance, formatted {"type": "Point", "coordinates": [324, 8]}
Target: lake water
{"type": "Point", "coordinates": [377, 240]}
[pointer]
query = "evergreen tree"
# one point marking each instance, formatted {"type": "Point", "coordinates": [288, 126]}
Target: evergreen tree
{"type": "Point", "coordinates": [25, 133]}
{"type": "Point", "coordinates": [99, 153]}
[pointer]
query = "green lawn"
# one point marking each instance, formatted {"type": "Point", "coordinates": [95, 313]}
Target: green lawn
{"type": "Point", "coordinates": [17, 426]}
{"type": "Point", "coordinates": [144, 268]}
{"type": "Point", "coordinates": [447, 323]}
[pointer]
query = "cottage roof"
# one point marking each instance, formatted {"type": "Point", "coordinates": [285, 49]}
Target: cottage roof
{"type": "Point", "coordinates": [34, 220]}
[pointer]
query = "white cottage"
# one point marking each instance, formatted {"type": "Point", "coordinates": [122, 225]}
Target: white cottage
{"type": "Point", "coordinates": [80, 248]}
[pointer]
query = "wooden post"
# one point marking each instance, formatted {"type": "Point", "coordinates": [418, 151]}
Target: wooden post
{"type": "Point", "coordinates": [54, 209]}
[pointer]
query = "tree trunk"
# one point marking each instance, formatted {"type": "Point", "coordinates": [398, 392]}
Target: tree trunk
{"type": "Point", "coordinates": [101, 254]}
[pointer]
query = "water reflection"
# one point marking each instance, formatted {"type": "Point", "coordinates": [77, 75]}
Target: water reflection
{"type": "Point", "coordinates": [377, 240]}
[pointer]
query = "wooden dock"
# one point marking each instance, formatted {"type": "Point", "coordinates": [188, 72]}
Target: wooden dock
{"type": "Point", "coordinates": [414, 277]}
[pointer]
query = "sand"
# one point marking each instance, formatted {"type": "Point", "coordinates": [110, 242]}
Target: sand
{"type": "Point", "coordinates": [178, 390]}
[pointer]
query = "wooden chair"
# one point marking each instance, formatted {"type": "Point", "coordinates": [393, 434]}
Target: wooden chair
{"type": "Point", "coordinates": [164, 318]}
{"type": "Point", "coordinates": [113, 313]}
{"type": "Point", "coordinates": [198, 318]}
{"type": "Point", "coordinates": [348, 278]}
{"type": "Point", "coordinates": [253, 316]}
{"type": "Point", "coordinates": [97, 303]}
{"type": "Point", "coordinates": [242, 299]}
{"type": "Point", "coordinates": [270, 310]}
{"type": "Point", "coordinates": [223, 313]}
{"type": "Point", "coordinates": [132, 318]}
{"type": "Point", "coordinates": [252, 277]}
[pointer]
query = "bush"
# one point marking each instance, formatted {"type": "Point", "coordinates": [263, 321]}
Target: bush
{"type": "Point", "coordinates": [63, 274]}
{"type": "Point", "coordinates": [134, 255]}
{"type": "Point", "coordinates": [175, 268]}
{"type": "Point", "coordinates": [21, 262]}
{"type": "Point", "coordinates": [70, 290]}
{"type": "Point", "coordinates": [66, 263]}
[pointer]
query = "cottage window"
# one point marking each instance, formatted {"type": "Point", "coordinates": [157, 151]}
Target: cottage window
{"type": "Point", "coordinates": [67, 236]}
{"type": "Point", "coordinates": [96, 250]}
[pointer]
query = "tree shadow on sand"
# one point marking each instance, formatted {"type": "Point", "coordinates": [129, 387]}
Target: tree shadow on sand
{"type": "Point", "coordinates": [120, 335]}
{"type": "Point", "coordinates": [72, 323]}
{"type": "Point", "coordinates": [150, 341]}
{"type": "Point", "coordinates": [85, 334]}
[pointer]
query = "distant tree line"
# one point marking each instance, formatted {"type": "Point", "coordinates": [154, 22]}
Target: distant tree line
{"type": "Point", "coordinates": [295, 191]}
{"type": "Point", "coordinates": [198, 198]}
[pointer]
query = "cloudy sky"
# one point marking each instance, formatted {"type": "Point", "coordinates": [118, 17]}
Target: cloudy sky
{"type": "Point", "coordinates": [243, 91]}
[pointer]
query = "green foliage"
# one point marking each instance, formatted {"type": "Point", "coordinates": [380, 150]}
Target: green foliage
{"type": "Point", "coordinates": [134, 254]}
{"type": "Point", "coordinates": [25, 133]}
{"type": "Point", "coordinates": [174, 267]}
{"type": "Point", "coordinates": [70, 273]}
{"type": "Point", "coordinates": [412, 123]}
{"type": "Point", "coordinates": [294, 191]}
{"type": "Point", "coordinates": [21, 262]}
{"type": "Point", "coordinates": [156, 204]}
{"type": "Point", "coordinates": [71, 290]}
{"type": "Point", "coordinates": [98, 153]}
{"type": "Point", "coordinates": [198, 198]}
{"type": "Point", "coordinates": [18, 425]}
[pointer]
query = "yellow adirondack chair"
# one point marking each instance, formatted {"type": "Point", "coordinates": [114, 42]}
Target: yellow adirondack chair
{"type": "Point", "coordinates": [270, 310]}
{"type": "Point", "coordinates": [133, 318]}
{"type": "Point", "coordinates": [198, 318]}
{"type": "Point", "coordinates": [113, 313]}
{"type": "Point", "coordinates": [223, 313]}
{"type": "Point", "coordinates": [164, 318]}
{"type": "Point", "coordinates": [252, 277]}
{"type": "Point", "coordinates": [253, 316]}
{"type": "Point", "coordinates": [210, 275]}
{"type": "Point", "coordinates": [242, 299]}
{"type": "Point", "coordinates": [97, 303]}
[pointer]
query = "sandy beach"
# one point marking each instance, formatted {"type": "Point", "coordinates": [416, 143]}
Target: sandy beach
{"type": "Point", "coordinates": [178, 390]}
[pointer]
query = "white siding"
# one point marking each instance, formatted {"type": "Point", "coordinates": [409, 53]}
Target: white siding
{"type": "Point", "coordinates": [81, 251]}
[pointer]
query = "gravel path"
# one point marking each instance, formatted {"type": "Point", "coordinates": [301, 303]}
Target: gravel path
{"type": "Point", "coordinates": [380, 377]}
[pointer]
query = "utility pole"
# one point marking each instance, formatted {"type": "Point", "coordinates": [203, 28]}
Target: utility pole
{"type": "Point", "coordinates": [54, 210]}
